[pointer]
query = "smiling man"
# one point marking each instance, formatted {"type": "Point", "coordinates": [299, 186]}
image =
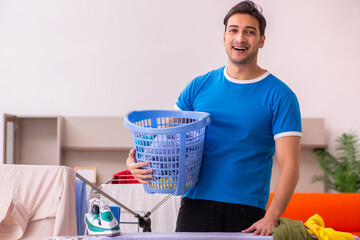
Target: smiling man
{"type": "Point", "coordinates": [242, 40]}
{"type": "Point", "coordinates": [254, 115]}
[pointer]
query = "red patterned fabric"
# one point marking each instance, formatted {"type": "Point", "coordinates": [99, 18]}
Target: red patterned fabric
{"type": "Point", "coordinates": [123, 177]}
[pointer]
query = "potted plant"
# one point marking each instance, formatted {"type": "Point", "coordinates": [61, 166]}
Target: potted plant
{"type": "Point", "coordinates": [341, 173]}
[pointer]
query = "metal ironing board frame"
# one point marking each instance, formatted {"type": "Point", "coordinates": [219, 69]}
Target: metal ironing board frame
{"type": "Point", "coordinates": [143, 221]}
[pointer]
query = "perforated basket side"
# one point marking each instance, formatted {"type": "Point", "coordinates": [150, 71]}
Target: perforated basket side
{"type": "Point", "coordinates": [173, 152]}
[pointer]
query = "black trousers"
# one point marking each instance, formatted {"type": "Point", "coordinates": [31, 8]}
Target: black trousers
{"type": "Point", "coordinates": [198, 215]}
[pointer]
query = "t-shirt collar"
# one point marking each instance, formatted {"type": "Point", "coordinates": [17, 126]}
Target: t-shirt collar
{"type": "Point", "coordinates": [234, 80]}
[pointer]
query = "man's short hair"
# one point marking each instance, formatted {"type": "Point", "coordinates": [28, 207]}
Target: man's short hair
{"type": "Point", "coordinates": [248, 7]}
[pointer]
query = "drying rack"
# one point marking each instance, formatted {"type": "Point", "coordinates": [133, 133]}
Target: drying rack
{"type": "Point", "coordinates": [144, 221]}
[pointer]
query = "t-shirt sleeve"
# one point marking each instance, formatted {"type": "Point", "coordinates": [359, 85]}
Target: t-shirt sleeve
{"type": "Point", "coordinates": [185, 100]}
{"type": "Point", "coordinates": [287, 117]}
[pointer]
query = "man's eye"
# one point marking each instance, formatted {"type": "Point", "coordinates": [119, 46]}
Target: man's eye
{"type": "Point", "coordinates": [232, 30]}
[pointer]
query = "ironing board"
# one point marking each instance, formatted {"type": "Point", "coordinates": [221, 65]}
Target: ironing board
{"type": "Point", "coordinates": [177, 236]}
{"type": "Point", "coordinates": [188, 236]}
{"type": "Point", "coordinates": [174, 236]}
{"type": "Point", "coordinates": [185, 236]}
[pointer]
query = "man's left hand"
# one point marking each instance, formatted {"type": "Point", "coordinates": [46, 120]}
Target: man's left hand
{"type": "Point", "coordinates": [263, 226]}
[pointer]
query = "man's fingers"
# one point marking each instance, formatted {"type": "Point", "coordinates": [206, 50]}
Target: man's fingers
{"type": "Point", "coordinates": [143, 173]}
{"type": "Point", "coordinates": [130, 161]}
{"type": "Point", "coordinates": [250, 229]}
{"type": "Point", "coordinates": [257, 232]}
{"type": "Point", "coordinates": [136, 169]}
{"type": "Point", "coordinates": [141, 164]}
{"type": "Point", "coordinates": [263, 232]}
{"type": "Point", "coordinates": [140, 173]}
{"type": "Point", "coordinates": [132, 151]}
{"type": "Point", "coordinates": [262, 227]}
{"type": "Point", "coordinates": [132, 154]}
{"type": "Point", "coordinates": [142, 181]}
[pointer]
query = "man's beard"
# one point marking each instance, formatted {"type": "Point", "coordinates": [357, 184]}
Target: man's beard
{"type": "Point", "coordinates": [243, 61]}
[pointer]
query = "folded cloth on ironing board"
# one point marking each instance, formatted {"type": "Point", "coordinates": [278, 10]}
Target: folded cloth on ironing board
{"type": "Point", "coordinates": [290, 229]}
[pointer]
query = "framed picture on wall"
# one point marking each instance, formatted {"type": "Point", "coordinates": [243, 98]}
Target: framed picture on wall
{"type": "Point", "coordinates": [87, 172]}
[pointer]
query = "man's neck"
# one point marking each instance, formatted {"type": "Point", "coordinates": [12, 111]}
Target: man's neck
{"type": "Point", "coordinates": [245, 72]}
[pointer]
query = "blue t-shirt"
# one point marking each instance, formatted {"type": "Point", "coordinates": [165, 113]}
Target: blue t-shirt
{"type": "Point", "coordinates": [247, 116]}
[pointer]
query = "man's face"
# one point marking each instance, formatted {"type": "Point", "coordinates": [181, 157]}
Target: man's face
{"type": "Point", "coordinates": [242, 39]}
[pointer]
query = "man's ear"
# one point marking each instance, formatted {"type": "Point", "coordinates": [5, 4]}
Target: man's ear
{"type": "Point", "coordinates": [262, 41]}
{"type": "Point", "coordinates": [224, 39]}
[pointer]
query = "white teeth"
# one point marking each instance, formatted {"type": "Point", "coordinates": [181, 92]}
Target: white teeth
{"type": "Point", "coordinates": [240, 48]}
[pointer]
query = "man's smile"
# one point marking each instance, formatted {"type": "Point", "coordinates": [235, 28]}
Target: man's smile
{"type": "Point", "coordinates": [240, 48]}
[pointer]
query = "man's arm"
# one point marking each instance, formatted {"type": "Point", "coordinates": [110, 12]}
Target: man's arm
{"type": "Point", "coordinates": [288, 156]}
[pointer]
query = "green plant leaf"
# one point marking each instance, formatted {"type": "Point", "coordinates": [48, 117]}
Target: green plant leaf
{"type": "Point", "coordinates": [343, 173]}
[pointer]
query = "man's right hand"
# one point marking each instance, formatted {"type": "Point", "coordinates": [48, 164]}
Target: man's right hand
{"type": "Point", "coordinates": [136, 168]}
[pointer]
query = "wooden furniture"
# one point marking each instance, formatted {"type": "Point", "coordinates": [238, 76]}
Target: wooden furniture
{"type": "Point", "coordinates": [313, 133]}
{"type": "Point", "coordinates": [101, 142]}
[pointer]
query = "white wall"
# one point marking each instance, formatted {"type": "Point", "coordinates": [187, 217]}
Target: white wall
{"type": "Point", "coordinates": [99, 57]}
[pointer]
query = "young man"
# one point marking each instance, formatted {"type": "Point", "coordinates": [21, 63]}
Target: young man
{"type": "Point", "coordinates": [254, 115]}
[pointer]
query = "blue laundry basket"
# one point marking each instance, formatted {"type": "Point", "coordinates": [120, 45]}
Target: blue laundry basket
{"type": "Point", "coordinates": [172, 142]}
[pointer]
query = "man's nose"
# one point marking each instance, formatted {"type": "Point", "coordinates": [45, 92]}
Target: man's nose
{"type": "Point", "coordinates": [240, 37]}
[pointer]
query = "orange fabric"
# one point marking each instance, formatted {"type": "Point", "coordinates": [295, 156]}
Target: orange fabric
{"type": "Point", "coordinates": [340, 211]}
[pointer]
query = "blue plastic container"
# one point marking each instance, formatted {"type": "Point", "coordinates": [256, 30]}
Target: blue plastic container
{"type": "Point", "coordinates": [172, 142]}
{"type": "Point", "coordinates": [116, 212]}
